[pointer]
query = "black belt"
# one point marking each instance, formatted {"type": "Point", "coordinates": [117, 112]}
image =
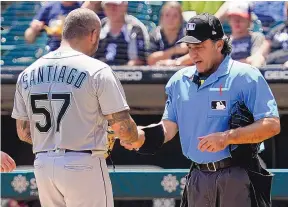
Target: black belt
{"type": "Point", "coordinates": [214, 166]}
{"type": "Point", "coordinates": [67, 150]}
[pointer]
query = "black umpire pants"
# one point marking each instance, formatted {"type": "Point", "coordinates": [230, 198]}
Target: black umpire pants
{"type": "Point", "coordinates": [228, 187]}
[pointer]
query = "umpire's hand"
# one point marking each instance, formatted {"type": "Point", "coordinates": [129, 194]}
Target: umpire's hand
{"type": "Point", "coordinates": [213, 142]}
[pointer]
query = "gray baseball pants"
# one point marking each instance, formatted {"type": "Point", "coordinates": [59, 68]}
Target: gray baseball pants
{"type": "Point", "coordinates": [72, 179]}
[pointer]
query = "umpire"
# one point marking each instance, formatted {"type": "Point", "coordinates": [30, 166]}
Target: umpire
{"type": "Point", "coordinates": [223, 109]}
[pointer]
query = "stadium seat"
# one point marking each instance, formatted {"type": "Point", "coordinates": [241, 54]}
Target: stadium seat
{"type": "Point", "coordinates": [146, 12]}
{"type": "Point", "coordinates": [155, 8]}
{"type": "Point", "coordinates": [267, 29]}
{"type": "Point", "coordinates": [22, 55]}
{"type": "Point", "coordinates": [16, 30]}
{"type": "Point", "coordinates": [149, 24]}
{"type": "Point", "coordinates": [140, 10]}
{"type": "Point", "coordinates": [26, 7]}
{"type": "Point", "coordinates": [14, 49]}
{"type": "Point", "coordinates": [20, 13]}
{"type": "Point", "coordinates": [15, 36]}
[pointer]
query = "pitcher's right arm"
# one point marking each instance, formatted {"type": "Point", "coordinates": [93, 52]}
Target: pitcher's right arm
{"type": "Point", "coordinates": [113, 104]}
{"type": "Point", "coordinates": [123, 125]}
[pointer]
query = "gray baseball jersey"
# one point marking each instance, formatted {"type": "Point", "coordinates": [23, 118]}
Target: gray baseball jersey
{"type": "Point", "coordinates": [65, 95]}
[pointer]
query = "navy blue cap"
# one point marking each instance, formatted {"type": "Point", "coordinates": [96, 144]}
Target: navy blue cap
{"type": "Point", "coordinates": [201, 28]}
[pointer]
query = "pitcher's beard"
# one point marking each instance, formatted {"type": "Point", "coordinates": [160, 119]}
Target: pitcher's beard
{"type": "Point", "coordinates": [95, 46]}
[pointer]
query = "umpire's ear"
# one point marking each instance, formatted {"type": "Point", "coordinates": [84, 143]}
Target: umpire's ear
{"type": "Point", "coordinates": [219, 45]}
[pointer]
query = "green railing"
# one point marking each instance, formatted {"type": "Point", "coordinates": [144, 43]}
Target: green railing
{"type": "Point", "coordinates": [131, 184]}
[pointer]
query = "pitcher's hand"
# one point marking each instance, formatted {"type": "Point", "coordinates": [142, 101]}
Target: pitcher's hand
{"type": "Point", "coordinates": [137, 144]}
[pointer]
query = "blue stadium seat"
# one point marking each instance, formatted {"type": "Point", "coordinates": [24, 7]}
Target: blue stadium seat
{"type": "Point", "coordinates": [150, 25]}
{"type": "Point", "coordinates": [14, 36]}
{"type": "Point", "coordinates": [22, 55]}
{"type": "Point", "coordinates": [146, 12]}
{"type": "Point", "coordinates": [155, 7]}
{"type": "Point", "coordinates": [11, 40]}
{"type": "Point", "coordinates": [272, 26]}
{"type": "Point", "coordinates": [19, 13]}
{"type": "Point", "coordinates": [140, 10]}
{"type": "Point", "coordinates": [18, 30]}
{"type": "Point", "coordinates": [25, 7]}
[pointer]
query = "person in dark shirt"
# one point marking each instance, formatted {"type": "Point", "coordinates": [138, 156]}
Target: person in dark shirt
{"type": "Point", "coordinates": [270, 12]}
{"type": "Point", "coordinates": [163, 47]}
{"type": "Point", "coordinates": [94, 6]}
{"type": "Point", "coordinates": [245, 43]}
{"type": "Point", "coordinates": [278, 40]}
{"type": "Point", "coordinates": [275, 47]}
{"type": "Point", "coordinates": [123, 38]}
{"type": "Point", "coordinates": [50, 17]}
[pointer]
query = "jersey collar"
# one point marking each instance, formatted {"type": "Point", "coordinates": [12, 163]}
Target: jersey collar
{"type": "Point", "coordinates": [223, 69]}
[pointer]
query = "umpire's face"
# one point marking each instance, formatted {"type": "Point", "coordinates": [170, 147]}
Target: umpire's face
{"type": "Point", "coordinates": [206, 55]}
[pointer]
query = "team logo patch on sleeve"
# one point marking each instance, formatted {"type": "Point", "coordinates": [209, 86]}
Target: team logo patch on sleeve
{"type": "Point", "coordinates": [218, 105]}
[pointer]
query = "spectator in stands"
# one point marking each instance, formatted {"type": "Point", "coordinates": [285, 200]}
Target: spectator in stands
{"type": "Point", "coordinates": [270, 12]}
{"type": "Point", "coordinates": [123, 38]}
{"type": "Point", "coordinates": [244, 42]}
{"type": "Point", "coordinates": [94, 6]}
{"type": "Point", "coordinates": [275, 47]}
{"type": "Point", "coordinates": [163, 47]}
{"type": "Point", "coordinates": [50, 17]}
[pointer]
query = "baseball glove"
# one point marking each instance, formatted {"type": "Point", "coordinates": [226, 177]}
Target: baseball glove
{"type": "Point", "coordinates": [110, 142]}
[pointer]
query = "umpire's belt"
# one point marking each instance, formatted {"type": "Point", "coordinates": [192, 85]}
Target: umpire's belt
{"type": "Point", "coordinates": [67, 150]}
{"type": "Point", "coordinates": [214, 166]}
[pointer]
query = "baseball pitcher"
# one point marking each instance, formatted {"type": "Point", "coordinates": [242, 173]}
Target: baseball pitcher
{"type": "Point", "coordinates": [63, 104]}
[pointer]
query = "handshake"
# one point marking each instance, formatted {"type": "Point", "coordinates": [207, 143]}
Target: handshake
{"type": "Point", "coordinates": [149, 140]}
{"type": "Point", "coordinates": [135, 145]}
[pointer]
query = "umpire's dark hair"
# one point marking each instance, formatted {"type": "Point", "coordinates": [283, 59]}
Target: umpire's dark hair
{"type": "Point", "coordinates": [80, 23]}
{"type": "Point", "coordinates": [227, 47]}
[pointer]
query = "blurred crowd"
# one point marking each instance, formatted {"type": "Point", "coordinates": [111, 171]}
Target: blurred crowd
{"type": "Point", "coordinates": [258, 31]}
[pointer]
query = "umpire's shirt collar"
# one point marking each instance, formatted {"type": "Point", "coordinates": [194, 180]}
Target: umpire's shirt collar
{"type": "Point", "coordinates": [223, 69]}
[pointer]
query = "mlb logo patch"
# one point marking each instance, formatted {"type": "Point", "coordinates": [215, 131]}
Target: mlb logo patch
{"type": "Point", "coordinates": [190, 26]}
{"type": "Point", "coordinates": [218, 105]}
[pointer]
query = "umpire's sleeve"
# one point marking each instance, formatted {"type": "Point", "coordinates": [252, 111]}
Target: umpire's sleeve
{"type": "Point", "coordinates": [110, 92]}
{"type": "Point", "coordinates": [170, 109]}
{"type": "Point", "coordinates": [258, 96]}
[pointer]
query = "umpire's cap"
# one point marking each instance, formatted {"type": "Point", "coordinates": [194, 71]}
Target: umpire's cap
{"type": "Point", "coordinates": [203, 27]}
